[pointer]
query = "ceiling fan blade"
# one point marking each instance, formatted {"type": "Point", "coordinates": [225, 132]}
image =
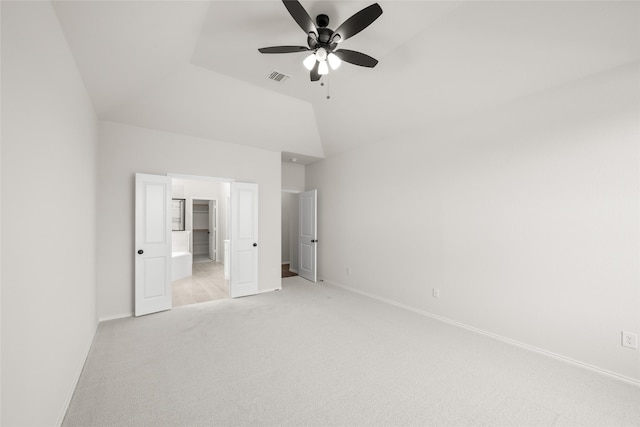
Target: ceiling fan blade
{"type": "Point", "coordinates": [358, 22]}
{"type": "Point", "coordinates": [300, 16]}
{"type": "Point", "coordinates": [283, 49]}
{"type": "Point", "coordinates": [356, 58]}
{"type": "Point", "coordinates": [315, 76]}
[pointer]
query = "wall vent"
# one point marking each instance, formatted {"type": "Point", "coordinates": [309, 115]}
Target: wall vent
{"type": "Point", "coordinates": [277, 76]}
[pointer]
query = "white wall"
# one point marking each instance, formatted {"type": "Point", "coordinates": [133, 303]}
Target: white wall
{"type": "Point", "coordinates": [526, 217]}
{"type": "Point", "coordinates": [49, 140]}
{"type": "Point", "coordinates": [293, 177]}
{"type": "Point", "coordinates": [183, 189]}
{"type": "Point", "coordinates": [124, 150]}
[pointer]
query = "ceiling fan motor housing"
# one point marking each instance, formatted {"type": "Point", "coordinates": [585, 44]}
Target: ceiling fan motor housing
{"type": "Point", "coordinates": [324, 38]}
{"type": "Point", "coordinates": [322, 20]}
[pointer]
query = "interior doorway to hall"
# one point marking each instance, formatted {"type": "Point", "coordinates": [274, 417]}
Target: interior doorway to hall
{"type": "Point", "coordinates": [289, 230]}
{"type": "Point", "coordinates": [299, 234]}
{"type": "Point", "coordinates": [200, 241]}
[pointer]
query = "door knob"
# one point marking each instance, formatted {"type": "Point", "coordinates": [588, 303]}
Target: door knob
{"type": "Point", "coordinates": [255, 244]}
{"type": "Point", "coordinates": [140, 252]}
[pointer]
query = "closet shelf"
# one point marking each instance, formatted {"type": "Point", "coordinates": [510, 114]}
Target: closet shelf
{"type": "Point", "coordinates": [200, 229]}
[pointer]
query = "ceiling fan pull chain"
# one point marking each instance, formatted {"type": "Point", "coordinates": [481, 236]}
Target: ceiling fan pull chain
{"type": "Point", "coordinates": [328, 89]}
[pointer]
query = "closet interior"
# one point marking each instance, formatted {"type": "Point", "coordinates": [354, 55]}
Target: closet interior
{"type": "Point", "coordinates": [203, 227]}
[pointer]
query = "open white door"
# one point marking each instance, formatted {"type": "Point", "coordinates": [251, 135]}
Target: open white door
{"type": "Point", "coordinates": [307, 234]}
{"type": "Point", "coordinates": [212, 229]}
{"type": "Point", "coordinates": [244, 239]}
{"type": "Point", "coordinates": [152, 244]}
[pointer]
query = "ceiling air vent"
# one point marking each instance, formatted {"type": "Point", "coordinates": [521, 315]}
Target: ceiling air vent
{"type": "Point", "coordinates": [277, 76]}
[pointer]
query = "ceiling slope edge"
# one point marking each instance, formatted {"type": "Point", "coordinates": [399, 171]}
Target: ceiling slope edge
{"type": "Point", "coordinates": [199, 102]}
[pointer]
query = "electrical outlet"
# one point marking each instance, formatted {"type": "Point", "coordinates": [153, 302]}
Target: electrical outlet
{"type": "Point", "coordinates": [436, 293]}
{"type": "Point", "coordinates": [348, 271]}
{"type": "Point", "coordinates": [629, 339]}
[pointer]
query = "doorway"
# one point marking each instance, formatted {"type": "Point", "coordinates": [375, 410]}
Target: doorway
{"type": "Point", "coordinates": [153, 240]}
{"type": "Point", "coordinates": [289, 230]}
{"type": "Point", "coordinates": [299, 234]}
{"type": "Point", "coordinates": [205, 222]}
{"type": "Point", "coordinates": [205, 230]}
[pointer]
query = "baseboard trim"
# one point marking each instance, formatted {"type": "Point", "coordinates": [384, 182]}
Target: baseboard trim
{"type": "Point", "coordinates": [67, 402]}
{"type": "Point", "coordinates": [114, 317]}
{"type": "Point", "coordinates": [268, 290]}
{"type": "Point", "coordinates": [584, 365]}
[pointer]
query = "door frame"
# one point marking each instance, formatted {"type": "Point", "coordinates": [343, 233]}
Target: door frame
{"type": "Point", "coordinates": [230, 232]}
{"type": "Point", "coordinates": [170, 177]}
{"type": "Point", "coordinates": [208, 179]}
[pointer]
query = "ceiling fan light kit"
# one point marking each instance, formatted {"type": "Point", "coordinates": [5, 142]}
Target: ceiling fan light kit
{"type": "Point", "coordinates": [323, 41]}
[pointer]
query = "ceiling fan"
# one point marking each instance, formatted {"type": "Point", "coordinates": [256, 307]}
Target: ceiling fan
{"type": "Point", "coordinates": [323, 41]}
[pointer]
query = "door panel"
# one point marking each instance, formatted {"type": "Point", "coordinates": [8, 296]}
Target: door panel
{"type": "Point", "coordinates": [152, 244]}
{"type": "Point", "coordinates": [246, 223]}
{"type": "Point", "coordinates": [155, 271]}
{"type": "Point", "coordinates": [306, 256]}
{"type": "Point", "coordinates": [307, 237]}
{"type": "Point", "coordinates": [244, 239]}
{"type": "Point", "coordinates": [245, 263]}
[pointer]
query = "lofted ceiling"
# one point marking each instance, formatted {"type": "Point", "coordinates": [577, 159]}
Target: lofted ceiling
{"type": "Point", "coordinates": [193, 67]}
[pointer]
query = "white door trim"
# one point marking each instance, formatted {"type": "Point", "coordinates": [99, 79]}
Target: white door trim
{"type": "Point", "coordinates": [199, 178]}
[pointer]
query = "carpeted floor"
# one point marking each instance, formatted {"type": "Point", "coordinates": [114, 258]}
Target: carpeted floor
{"type": "Point", "coordinates": [317, 355]}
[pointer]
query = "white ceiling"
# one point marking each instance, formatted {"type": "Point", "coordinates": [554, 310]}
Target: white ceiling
{"type": "Point", "coordinates": [193, 67]}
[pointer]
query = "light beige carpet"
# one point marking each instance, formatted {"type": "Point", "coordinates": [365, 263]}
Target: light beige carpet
{"type": "Point", "coordinates": [316, 355]}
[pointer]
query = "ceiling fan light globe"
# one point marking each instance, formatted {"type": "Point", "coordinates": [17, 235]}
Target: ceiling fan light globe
{"type": "Point", "coordinates": [323, 68]}
{"type": "Point", "coordinates": [334, 61]}
{"type": "Point", "coordinates": [321, 54]}
{"type": "Point", "coordinates": [309, 62]}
